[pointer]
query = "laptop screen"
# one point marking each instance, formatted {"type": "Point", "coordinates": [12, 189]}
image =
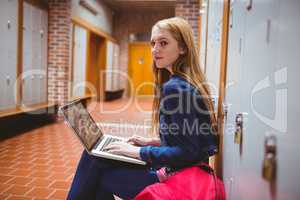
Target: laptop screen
{"type": "Point", "coordinates": [83, 124]}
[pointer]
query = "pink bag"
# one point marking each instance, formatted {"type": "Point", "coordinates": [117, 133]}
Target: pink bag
{"type": "Point", "coordinates": [191, 183]}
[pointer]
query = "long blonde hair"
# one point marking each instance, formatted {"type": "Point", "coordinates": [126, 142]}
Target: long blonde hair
{"type": "Point", "coordinates": [186, 66]}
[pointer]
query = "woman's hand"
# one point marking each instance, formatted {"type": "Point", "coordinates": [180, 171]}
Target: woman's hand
{"type": "Point", "coordinates": [123, 148]}
{"type": "Point", "coordinates": [143, 141]}
{"type": "Point", "coordinates": [139, 140]}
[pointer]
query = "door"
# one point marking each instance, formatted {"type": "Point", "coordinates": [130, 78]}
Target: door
{"type": "Point", "coordinates": [140, 69]}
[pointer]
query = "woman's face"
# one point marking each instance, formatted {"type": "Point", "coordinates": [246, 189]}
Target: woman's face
{"type": "Point", "coordinates": [164, 47]}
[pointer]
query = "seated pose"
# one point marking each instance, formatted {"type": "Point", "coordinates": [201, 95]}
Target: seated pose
{"type": "Point", "coordinates": [183, 117]}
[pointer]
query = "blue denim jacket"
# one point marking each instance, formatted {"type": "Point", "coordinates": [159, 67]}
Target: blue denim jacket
{"type": "Point", "coordinates": [185, 128]}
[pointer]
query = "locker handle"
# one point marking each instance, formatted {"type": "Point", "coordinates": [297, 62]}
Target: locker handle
{"type": "Point", "coordinates": [231, 18]}
{"type": "Point", "coordinates": [8, 24]}
{"type": "Point", "coordinates": [249, 5]}
{"type": "Point", "coordinates": [42, 33]}
{"type": "Point", "coordinates": [7, 80]}
{"type": "Point", "coordinates": [225, 109]}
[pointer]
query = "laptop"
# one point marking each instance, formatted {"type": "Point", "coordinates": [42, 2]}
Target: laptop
{"type": "Point", "coordinates": [90, 135]}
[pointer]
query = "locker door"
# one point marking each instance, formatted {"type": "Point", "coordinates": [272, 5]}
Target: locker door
{"type": "Point", "coordinates": [258, 69]}
{"type": "Point", "coordinates": [10, 37]}
{"type": "Point", "coordinates": [232, 100]}
{"type": "Point", "coordinates": [109, 66]}
{"type": "Point", "coordinates": [214, 45]}
{"type": "Point", "coordinates": [44, 55]}
{"type": "Point", "coordinates": [79, 62]}
{"type": "Point", "coordinates": [3, 25]}
{"type": "Point", "coordinates": [204, 16]}
{"type": "Point", "coordinates": [36, 53]}
{"type": "Point", "coordinates": [2, 75]}
{"type": "Point", "coordinates": [273, 81]}
{"type": "Point", "coordinates": [10, 79]}
{"type": "Point", "coordinates": [28, 78]}
{"type": "Point", "coordinates": [287, 83]}
{"type": "Point", "coordinates": [116, 67]}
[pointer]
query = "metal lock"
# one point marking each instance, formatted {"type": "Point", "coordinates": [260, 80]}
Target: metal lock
{"type": "Point", "coordinates": [270, 161]}
{"type": "Point", "coordinates": [238, 135]}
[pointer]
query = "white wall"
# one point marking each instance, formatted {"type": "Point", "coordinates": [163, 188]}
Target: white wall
{"type": "Point", "coordinates": [103, 20]}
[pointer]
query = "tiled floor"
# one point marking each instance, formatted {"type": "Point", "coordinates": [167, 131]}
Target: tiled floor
{"type": "Point", "coordinates": [40, 164]}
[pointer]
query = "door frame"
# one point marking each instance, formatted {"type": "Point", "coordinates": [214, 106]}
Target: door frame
{"type": "Point", "coordinates": [218, 165]}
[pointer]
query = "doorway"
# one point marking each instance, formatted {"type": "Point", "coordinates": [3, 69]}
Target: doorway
{"type": "Point", "coordinates": [140, 69]}
{"type": "Point", "coordinates": [95, 66]}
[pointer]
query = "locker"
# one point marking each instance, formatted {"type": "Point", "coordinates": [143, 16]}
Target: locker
{"type": "Point", "coordinates": [44, 55]}
{"type": "Point", "coordinates": [28, 81]}
{"type": "Point", "coordinates": [116, 67]}
{"type": "Point", "coordinates": [258, 58]}
{"type": "Point", "coordinates": [36, 52]}
{"type": "Point", "coordinates": [79, 66]}
{"type": "Point", "coordinates": [3, 21]}
{"type": "Point", "coordinates": [43, 89]}
{"type": "Point", "coordinates": [233, 99]}
{"type": "Point", "coordinates": [36, 39]}
{"type": "Point", "coordinates": [8, 52]}
{"type": "Point", "coordinates": [203, 34]}
{"type": "Point", "coordinates": [10, 93]}
{"type": "Point", "coordinates": [109, 66]}
{"type": "Point", "coordinates": [34, 55]}
{"type": "Point", "coordinates": [287, 63]}
{"type": "Point", "coordinates": [28, 78]}
{"type": "Point", "coordinates": [214, 44]}
{"type": "Point", "coordinates": [2, 78]}
{"type": "Point", "coordinates": [263, 66]}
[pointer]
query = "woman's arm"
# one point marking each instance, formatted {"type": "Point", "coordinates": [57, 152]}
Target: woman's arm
{"type": "Point", "coordinates": [143, 141]}
{"type": "Point", "coordinates": [155, 142]}
{"type": "Point", "coordinates": [191, 141]}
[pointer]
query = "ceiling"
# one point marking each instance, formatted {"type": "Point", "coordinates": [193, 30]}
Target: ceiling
{"type": "Point", "coordinates": [139, 5]}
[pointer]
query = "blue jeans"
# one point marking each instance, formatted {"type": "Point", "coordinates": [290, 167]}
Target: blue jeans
{"type": "Point", "coordinates": [98, 178]}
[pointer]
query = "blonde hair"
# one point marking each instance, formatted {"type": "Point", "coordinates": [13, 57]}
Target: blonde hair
{"type": "Point", "coordinates": [186, 66]}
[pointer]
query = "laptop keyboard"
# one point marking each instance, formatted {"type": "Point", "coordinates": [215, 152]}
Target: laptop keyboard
{"type": "Point", "coordinates": [109, 140]}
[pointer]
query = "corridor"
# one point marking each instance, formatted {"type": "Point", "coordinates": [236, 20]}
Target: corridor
{"type": "Point", "coordinates": [116, 56]}
{"type": "Point", "coordinates": [40, 164]}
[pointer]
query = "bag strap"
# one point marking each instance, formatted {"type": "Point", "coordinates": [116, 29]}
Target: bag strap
{"type": "Point", "coordinates": [211, 171]}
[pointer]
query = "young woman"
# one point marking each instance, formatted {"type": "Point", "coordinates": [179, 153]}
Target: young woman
{"type": "Point", "coordinates": [183, 116]}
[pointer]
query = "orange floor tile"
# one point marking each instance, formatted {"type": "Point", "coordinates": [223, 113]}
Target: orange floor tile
{"type": "Point", "coordinates": [40, 164]}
